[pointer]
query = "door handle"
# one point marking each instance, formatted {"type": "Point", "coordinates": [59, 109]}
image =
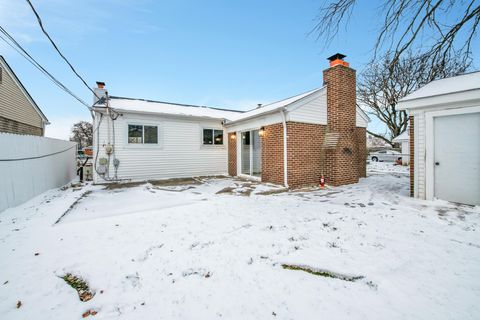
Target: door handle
{"type": "Point", "coordinates": [437, 163]}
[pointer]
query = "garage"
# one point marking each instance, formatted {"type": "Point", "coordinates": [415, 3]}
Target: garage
{"type": "Point", "coordinates": [445, 151]}
{"type": "Point", "coordinates": [456, 149]}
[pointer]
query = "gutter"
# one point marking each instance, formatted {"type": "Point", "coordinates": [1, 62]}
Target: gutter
{"type": "Point", "coordinates": [285, 150]}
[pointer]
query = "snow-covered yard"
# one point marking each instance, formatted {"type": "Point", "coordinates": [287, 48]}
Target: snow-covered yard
{"type": "Point", "coordinates": [186, 252]}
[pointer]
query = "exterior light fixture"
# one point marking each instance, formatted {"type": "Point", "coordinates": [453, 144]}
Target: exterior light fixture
{"type": "Point", "coordinates": [261, 132]}
{"type": "Point", "coordinates": [233, 136]}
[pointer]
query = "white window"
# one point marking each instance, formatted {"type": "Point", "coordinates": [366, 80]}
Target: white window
{"type": "Point", "coordinates": [142, 134]}
{"type": "Point", "coordinates": [212, 136]}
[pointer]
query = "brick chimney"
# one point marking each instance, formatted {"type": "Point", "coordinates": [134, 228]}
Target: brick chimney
{"type": "Point", "coordinates": [341, 155]}
{"type": "Point", "coordinates": [100, 91]}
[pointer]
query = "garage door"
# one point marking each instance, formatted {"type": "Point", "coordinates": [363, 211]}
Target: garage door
{"type": "Point", "coordinates": [457, 158]}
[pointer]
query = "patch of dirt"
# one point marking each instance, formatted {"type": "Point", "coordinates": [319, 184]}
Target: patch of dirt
{"type": "Point", "coordinates": [122, 185]}
{"type": "Point", "coordinates": [244, 189]}
{"type": "Point", "coordinates": [322, 273]}
{"type": "Point", "coordinates": [175, 182]}
{"type": "Point", "coordinates": [273, 191]}
{"type": "Point", "coordinates": [228, 190]}
{"type": "Point", "coordinates": [179, 188]}
{"type": "Point", "coordinates": [77, 283]}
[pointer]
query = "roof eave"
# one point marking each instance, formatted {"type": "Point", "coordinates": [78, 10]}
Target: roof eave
{"type": "Point", "coordinates": [281, 107]}
{"type": "Point", "coordinates": [120, 110]}
{"type": "Point", "coordinates": [464, 96]}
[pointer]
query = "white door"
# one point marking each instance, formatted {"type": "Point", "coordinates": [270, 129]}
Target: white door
{"type": "Point", "coordinates": [457, 158]}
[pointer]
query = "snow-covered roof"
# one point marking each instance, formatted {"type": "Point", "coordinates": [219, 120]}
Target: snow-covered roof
{"type": "Point", "coordinates": [404, 136]}
{"type": "Point", "coordinates": [465, 84]}
{"type": "Point", "coordinates": [231, 116]}
{"type": "Point", "coordinates": [271, 107]}
{"type": "Point", "coordinates": [160, 107]}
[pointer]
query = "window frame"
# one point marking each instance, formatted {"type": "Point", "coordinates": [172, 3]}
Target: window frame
{"type": "Point", "coordinates": [143, 144]}
{"type": "Point", "coordinates": [217, 145]}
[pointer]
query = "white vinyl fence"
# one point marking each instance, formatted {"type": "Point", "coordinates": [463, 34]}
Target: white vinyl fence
{"type": "Point", "coordinates": [30, 165]}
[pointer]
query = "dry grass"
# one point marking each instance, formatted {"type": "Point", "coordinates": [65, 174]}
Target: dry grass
{"type": "Point", "coordinates": [322, 273]}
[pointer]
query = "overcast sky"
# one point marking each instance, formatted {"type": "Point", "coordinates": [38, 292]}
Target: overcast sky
{"type": "Point", "coordinates": [229, 54]}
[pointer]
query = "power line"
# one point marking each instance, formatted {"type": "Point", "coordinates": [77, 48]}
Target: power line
{"type": "Point", "coordinates": [57, 49]}
{"type": "Point", "coordinates": [17, 47]}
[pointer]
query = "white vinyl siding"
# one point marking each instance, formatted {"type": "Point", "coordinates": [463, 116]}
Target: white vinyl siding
{"type": "Point", "coordinates": [179, 153]}
{"type": "Point", "coordinates": [419, 156]}
{"type": "Point", "coordinates": [360, 120]}
{"type": "Point", "coordinates": [312, 111]}
{"type": "Point", "coordinates": [14, 104]}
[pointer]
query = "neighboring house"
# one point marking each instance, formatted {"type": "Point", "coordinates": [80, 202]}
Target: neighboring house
{"type": "Point", "coordinates": [292, 142]}
{"type": "Point", "coordinates": [404, 140]}
{"type": "Point", "coordinates": [18, 111]}
{"type": "Point", "coordinates": [445, 149]}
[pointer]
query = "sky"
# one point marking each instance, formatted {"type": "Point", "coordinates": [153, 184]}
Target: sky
{"type": "Point", "coordinates": [227, 54]}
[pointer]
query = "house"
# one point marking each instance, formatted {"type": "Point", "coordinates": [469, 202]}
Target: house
{"type": "Point", "coordinates": [292, 142]}
{"type": "Point", "coordinates": [444, 145]}
{"type": "Point", "coordinates": [18, 111]}
{"type": "Point", "coordinates": [404, 140]}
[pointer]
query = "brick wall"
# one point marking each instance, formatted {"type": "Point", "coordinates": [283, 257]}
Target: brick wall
{"type": "Point", "coordinates": [232, 154]}
{"type": "Point", "coordinates": [12, 126]}
{"type": "Point", "coordinates": [412, 157]}
{"type": "Point", "coordinates": [305, 155]}
{"type": "Point", "coordinates": [272, 154]}
{"type": "Point", "coordinates": [342, 161]}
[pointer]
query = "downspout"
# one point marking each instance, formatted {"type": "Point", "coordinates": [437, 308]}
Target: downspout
{"type": "Point", "coordinates": [285, 155]}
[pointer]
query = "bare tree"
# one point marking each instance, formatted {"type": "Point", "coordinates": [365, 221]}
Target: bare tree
{"type": "Point", "coordinates": [441, 29]}
{"type": "Point", "coordinates": [82, 134]}
{"type": "Point", "coordinates": [380, 87]}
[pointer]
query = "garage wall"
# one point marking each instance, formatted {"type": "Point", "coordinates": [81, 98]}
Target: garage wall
{"type": "Point", "coordinates": [420, 139]}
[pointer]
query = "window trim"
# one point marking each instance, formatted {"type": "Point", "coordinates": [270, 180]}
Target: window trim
{"type": "Point", "coordinates": [213, 145]}
{"type": "Point", "coordinates": [143, 144]}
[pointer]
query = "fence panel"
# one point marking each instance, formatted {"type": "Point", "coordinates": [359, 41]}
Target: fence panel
{"type": "Point", "coordinates": [30, 165]}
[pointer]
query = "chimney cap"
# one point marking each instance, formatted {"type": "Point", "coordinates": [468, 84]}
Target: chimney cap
{"type": "Point", "coordinates": [336, 56]}
{"type": "Point", "coordinates": [100, 84]}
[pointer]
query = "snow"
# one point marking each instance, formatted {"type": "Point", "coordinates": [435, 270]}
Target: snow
{"type": "Point", "coordinates": [387, 167]}
{"type": "Point", "coordinates": [464, 82]}
{"type": "Point", "coordinates": [146, 106]}
{"type": "Point", "coordinates": [140, 105]}
{"type": "Point", "coordinates": [186, 252]}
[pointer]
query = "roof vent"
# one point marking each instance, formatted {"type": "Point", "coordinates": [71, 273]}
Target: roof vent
{"type": "Point", "coordinates": [259, 105]}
